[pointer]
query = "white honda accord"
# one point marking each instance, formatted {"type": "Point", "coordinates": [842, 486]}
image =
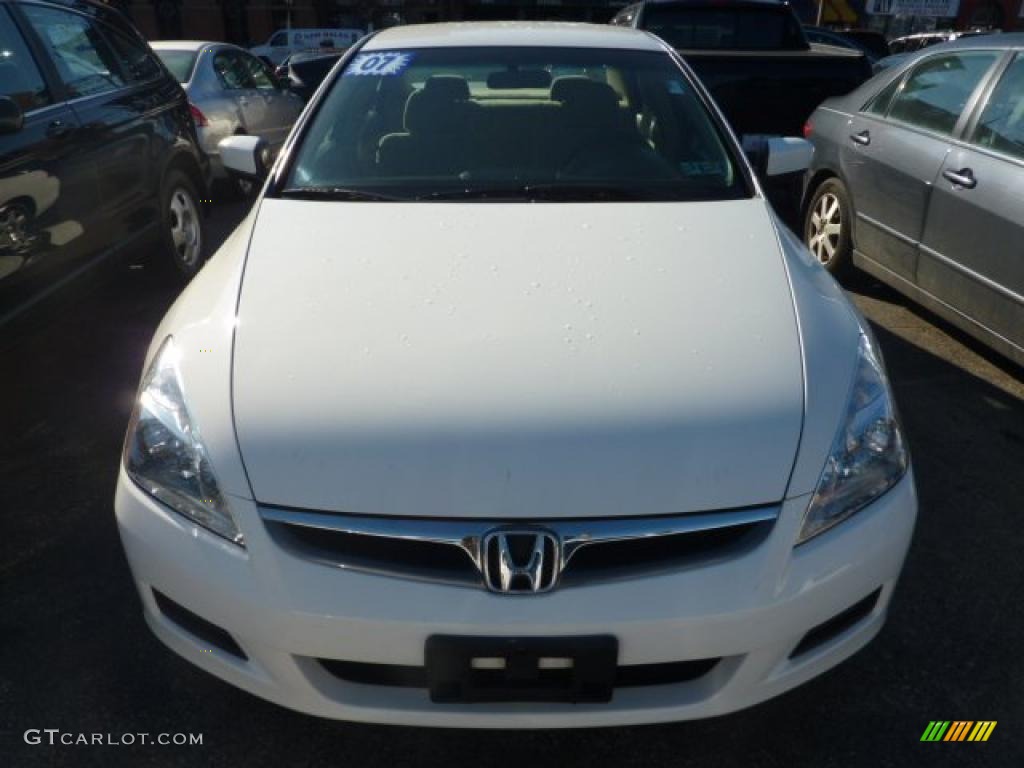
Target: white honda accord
{"type": "Point", "coordinates": [512, 404]}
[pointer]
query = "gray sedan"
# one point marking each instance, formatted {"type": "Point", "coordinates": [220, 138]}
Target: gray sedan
{"type": "Point", "coordinates": [231, 92]}
{"type": "Point", "coordinates": [918, 178]}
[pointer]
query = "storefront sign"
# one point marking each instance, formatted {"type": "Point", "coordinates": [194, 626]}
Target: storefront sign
{"type": "Point", "coordinates": [935, 8]}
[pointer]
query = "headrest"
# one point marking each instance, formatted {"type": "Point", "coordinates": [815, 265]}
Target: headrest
{"type": "Point", "coordinates": [575, 88]}
{"type": "Point", "coordinates": [447, 86]}
{"type": "Point", "coordinates": [592, 106]}
{"type": "Point", "coordinates": [434, 108]}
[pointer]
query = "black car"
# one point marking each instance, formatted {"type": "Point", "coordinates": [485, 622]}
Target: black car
{"type": "Point", "coordinates": [754, 58]}
{"type": "Point", "coordinates": [97, 147]}
{"type": "Point", "coordinates": [305, 70]}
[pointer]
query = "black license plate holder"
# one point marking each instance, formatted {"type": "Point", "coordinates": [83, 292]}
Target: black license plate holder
{"type": "Point", "coordinates": [463, 669]}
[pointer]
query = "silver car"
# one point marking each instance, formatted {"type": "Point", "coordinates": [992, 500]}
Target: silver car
{"type": "Point", "coordinates": [918, 178]}
{"type": "Point", "coordinates": [231, 92]}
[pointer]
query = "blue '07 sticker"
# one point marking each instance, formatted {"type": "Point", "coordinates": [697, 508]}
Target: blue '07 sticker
{"type": "Point", "coordinates": [379, 63]}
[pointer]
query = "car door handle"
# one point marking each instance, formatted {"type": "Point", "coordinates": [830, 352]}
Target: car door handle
{"type": "Point", "coordinates": [962, 178]}
{"type": "Point", "coordinates": [58, 129]}
{"type": "Point", "coordinates": [863, 138]}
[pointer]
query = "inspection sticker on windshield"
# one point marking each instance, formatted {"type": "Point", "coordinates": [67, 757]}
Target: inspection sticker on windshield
{"type": "Point", "coordinates": [379, 63]}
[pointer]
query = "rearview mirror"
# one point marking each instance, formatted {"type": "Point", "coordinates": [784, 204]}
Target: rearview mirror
{"type": "Point", "coordinates": [247, 156]}
{"type": "Point", "coordinates": [788, 154]}
{"type": "Point", "coordinates": [11, 116]}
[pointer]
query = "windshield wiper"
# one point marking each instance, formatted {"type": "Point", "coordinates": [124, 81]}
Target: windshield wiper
{"type": "Point", "coordinates": [340, 193]}
{"type": "Point", "coordinates": [558, 192]}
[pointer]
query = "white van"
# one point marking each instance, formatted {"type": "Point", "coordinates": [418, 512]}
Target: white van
{"type": "Point", "coordinates": [286, 41]}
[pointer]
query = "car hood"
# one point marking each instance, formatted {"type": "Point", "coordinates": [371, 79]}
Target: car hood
{"type": "Point", "coordinates": [516, 360]}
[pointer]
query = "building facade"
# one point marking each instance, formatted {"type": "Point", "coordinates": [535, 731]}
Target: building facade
{"type": "Point", "coordinates": [250, 22]}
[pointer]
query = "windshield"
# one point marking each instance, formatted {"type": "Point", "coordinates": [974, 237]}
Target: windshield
{"type": "Point", "coordinates": [179, 63]}
{"type": "Point", "coordinates": [514, 124]}
{"type": "Point", "coordinates": [711, 29]}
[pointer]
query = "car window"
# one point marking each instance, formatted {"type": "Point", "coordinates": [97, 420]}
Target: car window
{"type": "Point", "coordinates": [281, 38]}
{"type": "Point", "coordinates": [137, 60]}
{"type": "Point", "coordinates": [179, 63]}
{"type": "Point", "coordinates": [490, 122]}
{"type": "Point", "coordinates": [86, 62]}
{"type": "Point", "coordinates": [232, 71]}
{"type": "Point", "coordinates": [20, 79]}
{"type": "Point", "coordinates": [1001, 126]}
{"type": "Point", "coordinates": [879, 105]}
{"type": "Point", "coordinates": [258, 73]}
{"type": "Point", "coordinates": [935, 94]}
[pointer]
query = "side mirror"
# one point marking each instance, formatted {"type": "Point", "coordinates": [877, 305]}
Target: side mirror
{"type": "Point", "coordinates": [247, 156]}
{"type": "Point", "coordinates": [788, 154]}
{"type": "Point", "coordinates": [11, 116]}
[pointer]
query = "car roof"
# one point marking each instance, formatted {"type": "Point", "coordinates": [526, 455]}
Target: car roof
{"type": "Point", "coordinates": [1003, 41]}
{"type": "Point", "coordinates": [186, 45]}
{"type": "Point", "coordinates": [513, 33]}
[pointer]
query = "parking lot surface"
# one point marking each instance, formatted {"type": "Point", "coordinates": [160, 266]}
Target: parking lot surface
{"type": "Point", "coordinates": [75, 654]}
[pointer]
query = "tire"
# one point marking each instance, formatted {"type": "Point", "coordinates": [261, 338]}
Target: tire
{"type": "Point", "coordinates": [183, 235]}
{"type": "Point", "coordinates": [827, 227]}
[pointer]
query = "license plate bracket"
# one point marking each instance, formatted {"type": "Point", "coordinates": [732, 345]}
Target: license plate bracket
{"type": "Point", "coordinates": [463, 669]}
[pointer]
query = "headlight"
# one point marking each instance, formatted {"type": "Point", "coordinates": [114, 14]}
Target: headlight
{"type": "Point", "coordinates": [164, 454]}
{"type": "Point", "coordinates": [868, 455]}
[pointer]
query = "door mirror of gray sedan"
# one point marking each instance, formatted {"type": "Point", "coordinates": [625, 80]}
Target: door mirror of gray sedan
{"type": "Point", "coordinates": [11, 116]}
{"type": "Point", "coordinates": [788, 154]}
{"type": "Point", "coordinates": [246, 156]}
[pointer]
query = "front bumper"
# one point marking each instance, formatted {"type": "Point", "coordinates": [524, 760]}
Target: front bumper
{"type": "Point", "coordinates": [286, 612]}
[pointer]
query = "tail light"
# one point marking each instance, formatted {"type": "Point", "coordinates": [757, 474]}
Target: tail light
{"type": "Point", "coordinates": [197, 116]}
{"type": "Point", "coordinates": [808, 129]}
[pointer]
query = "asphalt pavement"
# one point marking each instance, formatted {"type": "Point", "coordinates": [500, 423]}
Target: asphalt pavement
{"type": "Point", "coordinates": [75, 654]}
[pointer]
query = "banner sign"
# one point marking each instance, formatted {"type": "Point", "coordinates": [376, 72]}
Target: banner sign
{"type": "Point", "coordinates": [934, 8]}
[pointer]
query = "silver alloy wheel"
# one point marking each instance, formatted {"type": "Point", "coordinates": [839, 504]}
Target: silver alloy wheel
{"type": "Point", "coordinates": [14, 226]}
{"type": "Point", "coordinates": [185, 232]}
{"type": "Point", "coordinates": [826, 228]}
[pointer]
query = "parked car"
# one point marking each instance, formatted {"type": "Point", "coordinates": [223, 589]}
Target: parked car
{"type": "Point", "coordinates": [872, 40]}
{"type": "Point", "coordinates": [566, 429]}
{"type": "Point", "coordinates": [825, 36]}
{"type": "Point", "coordinates": [97, 148]}
{"type": "Point", "coordinates": [288, 41]}
{"type": "Point", "coordinates": [230, 92]}
{"type": "Point", "coordinates": [306, 70]}
{"type": "Point", "coordinates": [753, 57]}
{"type": "Point", "coordinates": [921, 40]}
{"type": "Point", "coordinates": [894, 60]}
{"type": "Point", "coordinates": [918, 178]}
{"type": "Point", "coordinates": [763, 74]}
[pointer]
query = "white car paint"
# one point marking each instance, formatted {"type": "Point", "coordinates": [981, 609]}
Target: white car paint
{"type": "Point", "coordinates": [591, 358]}
{"type": "Point", "coordinates": [509, 360]}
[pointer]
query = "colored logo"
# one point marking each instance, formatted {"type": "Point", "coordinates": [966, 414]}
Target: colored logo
{"type": "Point", "coordinates": [958, 730]}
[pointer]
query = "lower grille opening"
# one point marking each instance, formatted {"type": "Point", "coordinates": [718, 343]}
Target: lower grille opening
{"type": "Point", "coordinates": [630, 676]}
{"type": "Point", "coordinates": [838, 624]}
{"type": "Point", "coordinates": [198, 626]}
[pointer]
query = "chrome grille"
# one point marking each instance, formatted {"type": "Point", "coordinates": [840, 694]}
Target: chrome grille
{"type": "Point", "coordinates": [451, 551]}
